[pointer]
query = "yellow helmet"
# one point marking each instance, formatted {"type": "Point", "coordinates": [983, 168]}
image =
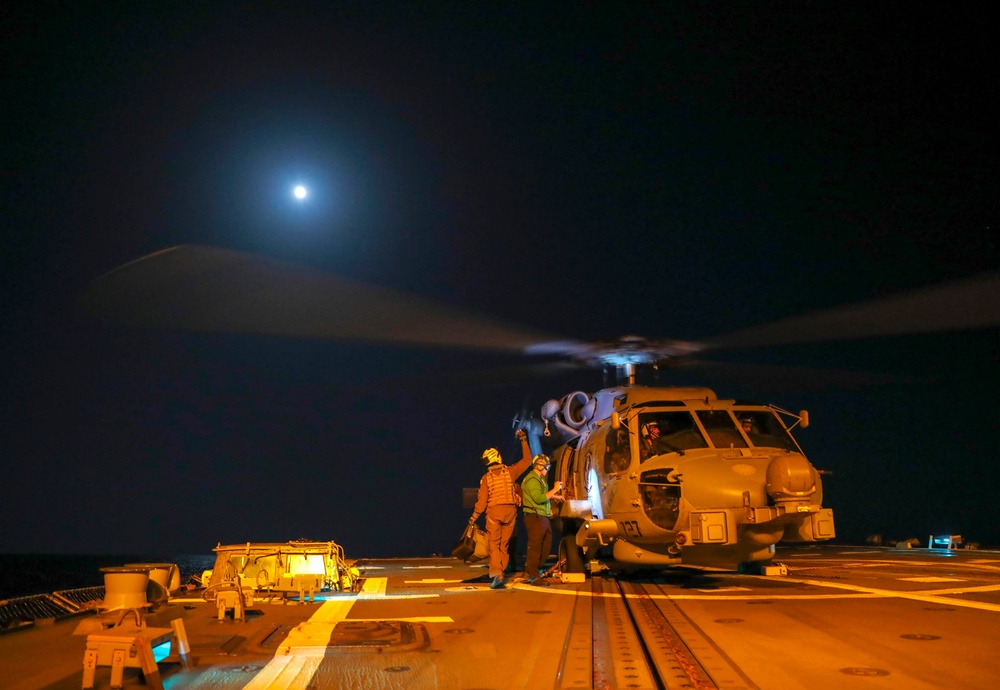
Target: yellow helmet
{"type": "Point", "coordinates": [541, 459]}
{"type": "Point", "coordinates": [491, 456]}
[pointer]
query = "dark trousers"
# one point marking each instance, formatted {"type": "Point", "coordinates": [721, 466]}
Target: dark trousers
{"type": "Point", "coordinates": [539, 543]}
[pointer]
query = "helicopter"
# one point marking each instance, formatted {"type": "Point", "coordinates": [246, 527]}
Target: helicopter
{"type": "Point", "coordinates": [671, 476]}
{"type": "Point", "coordinates": [661, 476]}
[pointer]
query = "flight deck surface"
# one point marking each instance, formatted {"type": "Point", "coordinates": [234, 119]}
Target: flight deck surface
{"type": "Point", "coordinates": [843, 618]}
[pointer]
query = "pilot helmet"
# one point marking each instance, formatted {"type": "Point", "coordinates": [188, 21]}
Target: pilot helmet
{"type": "Point", "coordinates": [746, 421]}
{"type": "Point", "coordinates": [491, 456]}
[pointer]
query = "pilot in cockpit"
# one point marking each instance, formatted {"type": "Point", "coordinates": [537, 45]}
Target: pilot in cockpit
{"type": "Point", "coordinates": [650, 437]}
{"type": "Point", "coordinates": [746, 423]}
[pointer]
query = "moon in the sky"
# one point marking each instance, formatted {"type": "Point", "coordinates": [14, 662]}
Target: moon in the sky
{"type": "Point", "coordinates": [300, 192]}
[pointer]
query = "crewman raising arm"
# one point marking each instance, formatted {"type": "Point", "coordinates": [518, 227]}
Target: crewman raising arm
{"type": "Point", "coordinates": [496, 499]}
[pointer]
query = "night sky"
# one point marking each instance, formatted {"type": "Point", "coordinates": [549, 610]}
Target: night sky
{"type": "Point", "coordinates": [586, 169]}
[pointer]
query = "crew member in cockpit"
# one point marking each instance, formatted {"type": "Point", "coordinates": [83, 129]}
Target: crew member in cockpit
{"type": "Point", "coordinates": [497, 499]}
{"type": "Point", "coordinates": [652, 444]}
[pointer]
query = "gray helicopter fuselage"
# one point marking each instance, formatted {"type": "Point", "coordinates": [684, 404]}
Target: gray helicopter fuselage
{"type": "Point", "coordinates": [676, 475]}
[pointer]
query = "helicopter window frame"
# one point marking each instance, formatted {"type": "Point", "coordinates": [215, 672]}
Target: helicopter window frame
{"type": "Point", "coordinates": [661, 503]}
{"type": "Point", "coordinates": [685, 436]}
{"type": "Point", "coordinates": [617, 450]}
{"type": "Point", "coordinates": [722, 429]}
{"type": "Point", "coordinates": [773, 427]}
{"type": "Point", "coordinates": [566, 470]}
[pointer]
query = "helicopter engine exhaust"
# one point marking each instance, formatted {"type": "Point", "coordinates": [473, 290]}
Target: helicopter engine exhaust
{"type": "Point", "coordinates": [578, 409]}
{"type": "Point", "coordinates": [569, 415]}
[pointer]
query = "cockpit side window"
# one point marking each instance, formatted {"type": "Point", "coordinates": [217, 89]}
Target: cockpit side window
{"type": "Point", "coordinates": [764, 429]}
{"type": "Point", "coordinates": [721, 429]}
{"type": "Point", "coordinates": [617, 451]}
{"type": "Point", "coordinates": [667, 432]}
{"type": "Point", "coordinates": [661, 503]}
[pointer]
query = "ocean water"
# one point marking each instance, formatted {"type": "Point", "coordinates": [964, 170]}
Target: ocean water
{"type": "Point", "coordinates": [26, 574]}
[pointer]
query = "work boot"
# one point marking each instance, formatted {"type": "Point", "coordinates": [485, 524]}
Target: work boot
{"type": "Point", "coordinates": [498, 583]}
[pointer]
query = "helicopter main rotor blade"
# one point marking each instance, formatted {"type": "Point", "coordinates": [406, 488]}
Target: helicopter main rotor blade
{"type": "Point", "coordinates": [772, 378]}
{"type": "Point", "coordinates": [210, 289]}
{"type": "Point", "coordinates": [962, 305]}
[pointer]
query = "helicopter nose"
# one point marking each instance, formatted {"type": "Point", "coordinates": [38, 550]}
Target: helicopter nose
{"type": "Point", "coordinates": [790, 478]}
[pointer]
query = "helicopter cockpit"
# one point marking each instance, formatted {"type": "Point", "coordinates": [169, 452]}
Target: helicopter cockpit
{"type": "Point", "coordinates": [677, 432]}
{"type": "Point", "coordinates": [668, 432]}
{"type": "Point", "coordinates": [663, 433]}
{"type": "Point", "coordinates": [765, 430]}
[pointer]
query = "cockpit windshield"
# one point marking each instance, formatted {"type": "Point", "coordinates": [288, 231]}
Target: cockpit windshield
{"type": "Point", "coordinates": [668, 432]}
{"type": "Point", "coordinates": [721, 429]}
{"type": "Point", "coordinates": [764, 429]}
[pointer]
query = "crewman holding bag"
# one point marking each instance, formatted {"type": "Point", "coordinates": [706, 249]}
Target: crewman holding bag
{"type": "Point", "coordinates": [496, 498]}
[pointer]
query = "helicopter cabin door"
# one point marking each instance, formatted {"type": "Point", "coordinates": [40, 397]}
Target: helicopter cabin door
{"type": "Point", "coordinates": [614, 448]}
{"type": "Point", "coordinates": [571, 472]}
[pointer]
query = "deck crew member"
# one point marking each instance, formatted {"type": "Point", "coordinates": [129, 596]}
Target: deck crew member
{"type": "Point", "coordinates": [537, 511]}
{"type": "Point", "coordinates": [496, 499]}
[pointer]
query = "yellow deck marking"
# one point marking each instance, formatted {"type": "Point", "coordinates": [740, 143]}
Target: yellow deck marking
{"type": "Point", "coordinates": [962, 590]}
{"type": "Point", "coordinates": [430, 581]}
{"type": "Point", "coordinates": [572, 591]}
{"type": "Point", "coordinates": [854, 592]}
{"type": "Point", "coordinates": [933, 598]}
{"type": "Point", "coordinates": [726, 589]}
{"type": "Point", "coordinates": [411, 619]}
{"type": "Point", "coordinates": [374, 588]}
{"type": "Point", "coordinates": [863, 565]}
{"type": "Point", "coordinates": [931, 579]}
{"type": "Point", "coordinates": [300, 654]}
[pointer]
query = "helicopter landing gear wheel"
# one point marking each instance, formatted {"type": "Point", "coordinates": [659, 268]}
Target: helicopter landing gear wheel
{"type": "Point", "coordinates": [570, 554]}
